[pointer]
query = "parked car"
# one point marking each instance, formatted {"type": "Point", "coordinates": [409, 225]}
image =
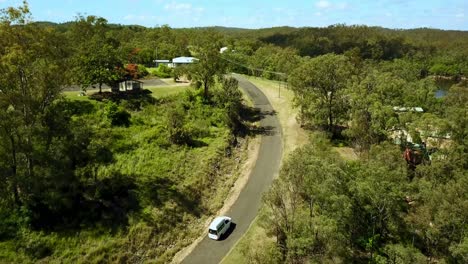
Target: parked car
{"type": "Point", "coordinates": [219, 227]}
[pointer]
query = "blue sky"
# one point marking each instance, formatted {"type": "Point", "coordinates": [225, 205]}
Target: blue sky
{"type": "Point", "coordinates": [443, 14]}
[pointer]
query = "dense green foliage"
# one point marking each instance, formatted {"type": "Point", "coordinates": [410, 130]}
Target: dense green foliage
{"type": "Point", "coordinates": [86, 181]}
{"type": "Point", "coordinates": [119, 179]}
{"type": "Point", "coordinates": [319, 86]}
{"type": "Point", "coordinates": [323, 209]}
{"type": "Point", "coordinates": [97, 60]}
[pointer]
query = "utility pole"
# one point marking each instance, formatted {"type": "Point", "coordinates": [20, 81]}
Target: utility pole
{"type": "Point", "coordinates": [156, 57]}
{"type": "Point", "coordinates": [279, 89]}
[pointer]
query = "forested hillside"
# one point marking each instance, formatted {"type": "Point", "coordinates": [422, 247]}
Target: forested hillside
{"type": "Point", "coordinates": [118, 177]}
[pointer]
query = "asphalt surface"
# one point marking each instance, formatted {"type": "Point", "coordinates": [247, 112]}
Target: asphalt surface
{"type": "Point", "coordinates": [266, 167]}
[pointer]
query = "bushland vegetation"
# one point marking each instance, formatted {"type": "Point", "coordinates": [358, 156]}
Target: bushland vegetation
{"type": "Point", "coordinates": [383, 207]}
{"type": "Point", "coordinates": [119, 179]}
{"type": "Point", "coordinates": [114, 178]}
{"type": "Point", "coordinates": [323, 209]}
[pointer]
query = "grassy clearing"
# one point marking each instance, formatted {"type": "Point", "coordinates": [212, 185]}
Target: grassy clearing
{"type": "Point", "coordinates": [161, 91]}
{"type": "Point", "coordinates": [254, 238]}
{"type": "Point", "coordinates": [75, 95]}
{"type": "Point", "coordinates": [156, 92]}
{"type": "Point", "coordinates": [176, 185]}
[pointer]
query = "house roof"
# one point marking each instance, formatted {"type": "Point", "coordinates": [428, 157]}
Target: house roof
{"type": "Point", "coordinates": [408, 109]}
{"type": "Point", "coordinates": [162, 61]}
{"type": "Point", "coordinates": [214, 225]}
{"type": "Point", "coordinates": [184, 60]}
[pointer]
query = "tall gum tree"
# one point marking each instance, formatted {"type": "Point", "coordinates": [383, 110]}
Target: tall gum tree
{"type": "Point", "coordinates": [32, 66]}
{"type": "Point", "coordinates": [97, 59]}
{"type": "Point", "coordinates": [319, 86]}
{"type": "Point", "coordinates": [209, 63]}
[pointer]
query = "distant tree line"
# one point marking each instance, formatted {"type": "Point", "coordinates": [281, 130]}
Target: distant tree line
{"type": "Point", "coordinates": [108, 166]}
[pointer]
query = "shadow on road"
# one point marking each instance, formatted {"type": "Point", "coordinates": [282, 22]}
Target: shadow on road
{"type": "Point", "coordinates": [254, 114]}
{"type": "Point", "coordinates": [263, 130]}
{"type": "Point", "coordinates": [228, 232]}
{"type": "Point", "coordinates": [251, 115]}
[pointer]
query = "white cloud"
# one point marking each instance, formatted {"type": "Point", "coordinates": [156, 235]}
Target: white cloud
{"type": "Point", "coordinates": [178, 6]}
{"type": "Point", "coordinates": [183, 7]}
{"type": "Point", "coordinates": [326, 5]}
{"type": "Point", "coordinates": [323, 4]}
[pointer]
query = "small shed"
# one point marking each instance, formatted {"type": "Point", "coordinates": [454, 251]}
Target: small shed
{"type": "Point", "coordinates": [159, 62]}
{"type": "Point", "coordinates": [128, 85]}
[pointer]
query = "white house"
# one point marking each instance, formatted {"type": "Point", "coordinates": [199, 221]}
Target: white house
{"type": "Point", "coordinates": [182, 61]}
{"type": "Point", "coordinates": [128, 85]}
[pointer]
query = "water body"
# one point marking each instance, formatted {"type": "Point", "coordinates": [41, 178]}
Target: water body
{"type": "Point", "coordinates": [443, 85]}
{"type": "Point", "coordinates": [440, 93]}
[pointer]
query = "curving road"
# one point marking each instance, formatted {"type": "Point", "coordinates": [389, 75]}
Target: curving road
{"type": "Point", "coordinates": [266, 167]}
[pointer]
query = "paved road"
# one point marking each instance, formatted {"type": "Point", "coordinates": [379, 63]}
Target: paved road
{"type": "Point", "coordinates": [266, 167]}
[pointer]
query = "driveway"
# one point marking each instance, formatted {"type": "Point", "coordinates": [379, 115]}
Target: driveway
{"type": "Point", "coordinates": [245, 209]}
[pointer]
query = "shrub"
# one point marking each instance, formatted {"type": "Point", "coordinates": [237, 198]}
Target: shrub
{"type": "Point", "coordinates": [35, 244]}
{"type": "Point", "coordinates": [117, 115]}
{"type": "Point", "coordinates": [163, 71]}
{"type": "Point", "coordinates": [178, 133]}
{"type": "Point", "coordinates": [142, 70]}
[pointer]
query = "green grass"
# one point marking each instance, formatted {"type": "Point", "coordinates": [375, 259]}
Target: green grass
{"type": "Point", "coordinates": [236, 255]}
{"type": "Point", "coordinates": [190, 184]}
{"type": "Point", "coordinates": [161, 91]}
{"type": "Point", "coordinates": [74, 95]}
{"type": "Point", "coordinates": [156, 92]}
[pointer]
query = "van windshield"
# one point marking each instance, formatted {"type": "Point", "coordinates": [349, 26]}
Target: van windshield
{"type": "Point", "coordinates": [213, 232]}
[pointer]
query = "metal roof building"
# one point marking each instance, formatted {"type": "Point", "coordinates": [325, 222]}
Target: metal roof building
{"type": "Point", "coordinates": [184, 60]}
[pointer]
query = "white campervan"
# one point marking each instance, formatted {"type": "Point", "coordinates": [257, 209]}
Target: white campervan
{"type": "Point", "coordinates": [219, 226]}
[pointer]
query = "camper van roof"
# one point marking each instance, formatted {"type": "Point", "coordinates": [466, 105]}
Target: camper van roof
{"type": "Point", "coordinates": [216, 222]}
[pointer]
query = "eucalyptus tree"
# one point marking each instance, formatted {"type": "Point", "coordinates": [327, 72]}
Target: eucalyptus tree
{"type": "Point", "coordinates": [32, 72]}
{"type": "Point", "coordinates": [97, 58]}
{"type": "Point", "coordinates": [371, 113]}
{"type": "Point", "coordinates": [209, 65]}
{"type": "Point", "coordinates": [319, 86]}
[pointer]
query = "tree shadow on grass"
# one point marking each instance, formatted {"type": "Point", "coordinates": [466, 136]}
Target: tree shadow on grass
{"type": "Point", "coordinates": [86, 204]}
{"type": "Point", "coordinates": [135, 98]}
{"type": "Point", "coordinates": [77, 107]}
{"type": "Point", "coordinates": [162, 190]}
{"type": "Point", "coordinates": [197, 143]}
